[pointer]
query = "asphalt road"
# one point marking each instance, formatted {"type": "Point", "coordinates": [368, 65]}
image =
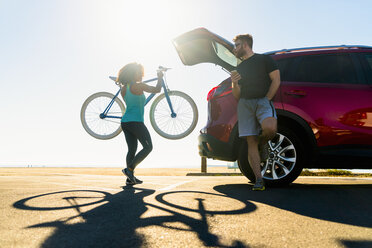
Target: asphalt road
{"type": "Point", "coordinates": [70, 210]}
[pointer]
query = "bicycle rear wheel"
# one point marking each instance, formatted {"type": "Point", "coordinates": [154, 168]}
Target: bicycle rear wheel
{"type": "Point", "coordinates": [94, 123]}
{"type": "Point", "coordinates": [174, 127]}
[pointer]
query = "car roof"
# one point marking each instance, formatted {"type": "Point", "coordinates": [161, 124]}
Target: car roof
{"type": "Point", "coordinates": [319, 49]}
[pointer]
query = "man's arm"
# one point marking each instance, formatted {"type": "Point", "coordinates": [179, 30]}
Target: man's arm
{"type": "Point", "coordinates": [275, 83]}
{"type": "Point", "coordinates": [235, 77]}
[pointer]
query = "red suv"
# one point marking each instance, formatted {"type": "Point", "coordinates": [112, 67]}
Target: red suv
{"type": "Point", "coordinates": [324, 108]}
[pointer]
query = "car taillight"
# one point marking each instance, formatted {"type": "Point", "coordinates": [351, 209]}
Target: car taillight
{"type": "Point", "coordinates": [211, 93]}
{"type": "Point", "coordinates": [220, 90]}
{"type": "Point", "coordinates": [227, 92]}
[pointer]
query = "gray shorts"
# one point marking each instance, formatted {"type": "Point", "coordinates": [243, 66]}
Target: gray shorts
{"type": "Point", "coordinates": [251, 113]}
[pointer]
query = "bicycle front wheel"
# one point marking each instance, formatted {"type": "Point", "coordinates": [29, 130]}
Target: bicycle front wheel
{"type": "Point", "coordinates": [175, 126]}
{"type": "Point", "coordinates": [97, 125]}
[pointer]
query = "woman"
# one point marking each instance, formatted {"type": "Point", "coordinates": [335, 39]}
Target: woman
{"type": "Point", "coordinates": [132, 122]}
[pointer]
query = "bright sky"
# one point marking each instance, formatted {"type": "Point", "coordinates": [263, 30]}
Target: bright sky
{"type": "Point", "coordinates": [54, 54]}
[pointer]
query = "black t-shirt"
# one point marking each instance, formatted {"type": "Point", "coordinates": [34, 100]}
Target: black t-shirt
{"type": "Point", "coordinates": [255, 71]}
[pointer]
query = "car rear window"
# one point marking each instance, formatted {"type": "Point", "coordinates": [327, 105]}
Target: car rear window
{"type": "Point", "coordinates": [326, 68]}
{"type": "Point", "coordinates": [223, 53]}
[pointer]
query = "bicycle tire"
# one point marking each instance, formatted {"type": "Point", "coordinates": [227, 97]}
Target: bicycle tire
{"type": "Point", "coordinates": [93, 106]}
{"type": "Point", "coordinates": [25, 205]}
{"type": "Point", "coordinates": [249, 207]}
{"type": "Point", "coordinates": [174, 127]}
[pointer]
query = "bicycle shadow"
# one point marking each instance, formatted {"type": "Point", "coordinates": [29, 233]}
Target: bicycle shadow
{"type": "Point", "coordinates": [346, 204]}
{"type": "Point", "coordinates": [114, 223]}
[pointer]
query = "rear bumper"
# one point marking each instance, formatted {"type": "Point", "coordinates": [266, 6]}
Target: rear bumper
{"type": "Point", "coordinates": [211, 147]}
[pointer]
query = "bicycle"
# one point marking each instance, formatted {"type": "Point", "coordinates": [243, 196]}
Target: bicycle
{"type": "Point", "coordinates": [173, 114]}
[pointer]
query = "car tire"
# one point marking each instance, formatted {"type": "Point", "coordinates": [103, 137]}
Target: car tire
{"type": "Point", "coordinates": [287, 156]}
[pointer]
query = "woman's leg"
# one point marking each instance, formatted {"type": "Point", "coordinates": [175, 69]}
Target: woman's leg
{"type": "Point", "coordinates": [144, 138]}
{"type": "Point", "coordinates": [131, 142]}
{"type": "Point", "coordinates": [139, 130]}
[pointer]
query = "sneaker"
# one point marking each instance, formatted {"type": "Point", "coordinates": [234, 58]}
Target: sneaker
{"type": "Point", "coordinates": [259, 185]}
{"type": "Point", "coordinates": [264, 151]}
{"type": "Point", "coordinates": [128, 182]}
{"type": "Point", "coordinates": [138, 181]}
{"type": "Point", "coordinates": [129, 175]}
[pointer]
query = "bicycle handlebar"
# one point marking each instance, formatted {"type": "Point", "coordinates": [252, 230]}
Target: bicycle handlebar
{"type": "Point", "coordinates": [163, 69]}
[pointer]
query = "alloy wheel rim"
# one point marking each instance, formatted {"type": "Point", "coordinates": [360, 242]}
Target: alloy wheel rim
{"type": "Point", "coordinates": [282, 158]}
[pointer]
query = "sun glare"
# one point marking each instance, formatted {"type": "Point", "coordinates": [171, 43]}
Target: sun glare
{"type": "Point", "coordinates": [144, 30]}
{"type": "Point", "coordinates": [153, 20]}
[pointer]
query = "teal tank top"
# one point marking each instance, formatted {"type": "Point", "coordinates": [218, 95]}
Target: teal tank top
{"type": "Point", "coordinates": [135, 106]}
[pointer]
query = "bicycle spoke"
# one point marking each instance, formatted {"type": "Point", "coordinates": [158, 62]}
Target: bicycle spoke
{"type": "Point", "coordinates": [102, 128]}
{"type": "Point", "coordinates": [179, 125]}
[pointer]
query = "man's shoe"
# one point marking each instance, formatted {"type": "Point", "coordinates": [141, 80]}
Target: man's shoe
{"type": "Point", "coordinates": [264, 151]}
{"type": "Point", "coordinates": [138, 181]}
{"type": "Point", "coordinates": [129, 175]}
{"type": "Point", "coordinates": [259, 185]}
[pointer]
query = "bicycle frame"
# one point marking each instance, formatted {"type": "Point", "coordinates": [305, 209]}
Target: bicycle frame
{"type": "Point", "coordinates": [148, 99]}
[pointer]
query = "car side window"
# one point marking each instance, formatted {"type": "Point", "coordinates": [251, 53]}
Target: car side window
{"type": "Point", "coordinates": [284, 68]}
{"type": "Point", "coordinates": [326, 68]}
{"type": "Point", "coordinates": [368, 58]}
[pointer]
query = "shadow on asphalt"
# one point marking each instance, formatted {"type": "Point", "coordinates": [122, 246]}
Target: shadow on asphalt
{"type": "Point", "coordinates": [114, 223]}
{"type": "Point", "coordinates": [346, 204]}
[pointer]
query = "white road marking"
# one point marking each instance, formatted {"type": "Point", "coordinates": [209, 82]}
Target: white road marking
{"type": "Point", "coordinates": [175, 185]}
{"type": "Point", "coordinates": [169, 187]}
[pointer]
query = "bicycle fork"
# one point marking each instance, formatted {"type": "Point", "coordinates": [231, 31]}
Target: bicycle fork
{"type": "Point", "coordinates": [148, 99]}
{"type": "Point", "coordinates": [173, 114]}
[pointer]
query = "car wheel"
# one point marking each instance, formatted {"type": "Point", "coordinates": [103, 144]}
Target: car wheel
{"type": "Point", "coordinates": [285, 162]}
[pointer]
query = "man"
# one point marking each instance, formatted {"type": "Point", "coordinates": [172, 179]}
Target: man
{"type": "Point", "coordinates": [254, 84]}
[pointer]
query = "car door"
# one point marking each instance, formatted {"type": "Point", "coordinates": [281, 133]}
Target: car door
{"type": "Point", "coordinates": [330, 91]}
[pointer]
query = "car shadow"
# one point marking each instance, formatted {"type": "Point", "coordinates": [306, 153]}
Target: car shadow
{"type": "Point", "coordinates": [346, 204]}
{"type": "Point", "coordinates": [115, 221]}
{"type": "Point", "coordinates": [356, 243]}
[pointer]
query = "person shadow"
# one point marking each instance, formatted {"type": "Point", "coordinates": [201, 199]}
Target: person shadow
{"type": "Point", "coordinates": [114, 223]}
